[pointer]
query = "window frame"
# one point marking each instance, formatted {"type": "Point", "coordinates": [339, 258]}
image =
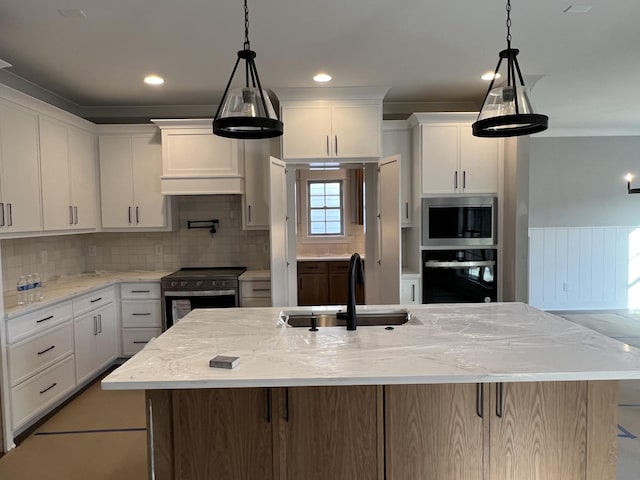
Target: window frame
{"type": "Point", "coordinates": [341, 208]}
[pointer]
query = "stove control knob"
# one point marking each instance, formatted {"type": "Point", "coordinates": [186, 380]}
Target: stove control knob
{"type": "Point", "coordinates": [174, 284]}
{"type": "Point", "coordinates": [183, 284]}
{"type": "Point", "coordinates": [199, 283]}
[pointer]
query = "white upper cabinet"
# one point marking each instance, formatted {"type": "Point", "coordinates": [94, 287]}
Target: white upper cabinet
{"type": "Point", "coordinates": [321, 129]}
{"type": "Point", "coordinates": [454, 161]}
{"type": "Point", "coordinates": [396, 139]}
{"type": "Point", "coordinates": [195, 161]}
{"type": "Point", "coordinates": [130, 171]}
{"type": "Point", "coordinates": [20, 201]}
{"type": "Point", "coordinates": [255, 201]}
{"type": "Point", "coordinates": [68, 158]}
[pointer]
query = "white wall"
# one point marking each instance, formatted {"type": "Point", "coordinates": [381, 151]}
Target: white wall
{"type": "Point", "coordinates": [583, 224]}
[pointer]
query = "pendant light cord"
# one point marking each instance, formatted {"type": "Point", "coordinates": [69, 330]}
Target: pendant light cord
{"type": "Point", "coordinates": [247, 45]}
{"type": "Point", "coordinates": [508, 23]}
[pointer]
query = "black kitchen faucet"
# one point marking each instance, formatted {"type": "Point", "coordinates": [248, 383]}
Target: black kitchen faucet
{"type": "Point", "coordinates": [355, 267]}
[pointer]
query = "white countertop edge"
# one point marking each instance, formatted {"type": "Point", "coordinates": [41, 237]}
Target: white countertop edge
{"type": "Point", "coordinates": [347, 381]}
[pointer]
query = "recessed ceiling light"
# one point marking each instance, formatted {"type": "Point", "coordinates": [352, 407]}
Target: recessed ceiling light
{"type": "Point", "coordinates": [489, 76]}
{"type": "Point", "coordinates": [72, 13]}
{"type": "Point", "coordinates": [322, 77]}
{"type": "Point", "coordinates": [153, 80]}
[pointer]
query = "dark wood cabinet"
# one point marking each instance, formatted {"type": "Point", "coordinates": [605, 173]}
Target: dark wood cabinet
{"type": "Point", "coordinates": [325, 283]}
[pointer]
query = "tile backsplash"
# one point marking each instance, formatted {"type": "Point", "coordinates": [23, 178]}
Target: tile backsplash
{"type": "Point", "coordinates": [157, 251]}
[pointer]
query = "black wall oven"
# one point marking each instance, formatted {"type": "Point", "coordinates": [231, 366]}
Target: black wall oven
{"type": "Point", "coordinates": [459, 276]}
{"type": "Point", "coordinates": [192, 288]}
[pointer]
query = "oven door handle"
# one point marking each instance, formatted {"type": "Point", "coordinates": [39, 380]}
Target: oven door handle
{"type": "Point", "coordinates": [438, 264]}
{"type": "Point", "coordinates": [199, 293]}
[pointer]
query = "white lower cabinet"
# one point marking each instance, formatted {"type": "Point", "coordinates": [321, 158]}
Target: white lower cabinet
{"type": "Point", "coordinates": [96, 341]}
{"type": "Point", "coordinates": [410, 290]}
{"type": "Point", "coordinates": [255, 293]}
{"type": "Point", "coordinates": [40, 392]}
{"type": "Point", "coordinates": [141, 315]}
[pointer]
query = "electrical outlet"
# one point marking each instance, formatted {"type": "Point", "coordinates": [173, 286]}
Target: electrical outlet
{"type": "Point", "coordinates": [44, 256]}
{"type": "Point", "coordinates": [158, 249]}
{"type": "Point", "coordinates": [91, 250]}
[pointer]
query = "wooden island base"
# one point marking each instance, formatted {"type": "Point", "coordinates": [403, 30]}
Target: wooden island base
{"type": "Point", "coordinates": [490, 431]}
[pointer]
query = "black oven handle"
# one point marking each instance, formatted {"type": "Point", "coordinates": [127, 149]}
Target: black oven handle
{"type": "Point", "coordinates": [454, 264]}
{"type": "Point", "coordinates": [199, 293]}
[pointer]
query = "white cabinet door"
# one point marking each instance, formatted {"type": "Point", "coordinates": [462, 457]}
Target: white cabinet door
{"type": "Point", "coordinates": [95, 342]}
{"type": "Point", "coordinates": [307, 131]}
{"type": "Point", "coordinates": [116, 181]}
{"type": "Point", "coordinates": [149, 203]}
{"type": "Point", "coordinates": [389, 249]}
{"type": "Point", "coordinates": [199, 152]}
{"type": "Point", "coordinates": [255, 213]}
{"type": "Point", "coordinates": [397, 140]}
{"type": "Point", "coordinates": [478, 162]}
{"type": "Point", "coordinates": [439, 148]}
{"type": "Point", "coordinates": [20, 205]}
{"type": "Point", "coordinates": [83, 171]}
{"type": "Point", "coordinates": [331, 130]}
{"type": "Point", "coordinates": [356, 131]}
{"type": "Point", "coordinates": [57, 209]}
{"type": "Point", "coordinates": [410, 291]}
{"type": "Point", "coordinates": [278, 233]}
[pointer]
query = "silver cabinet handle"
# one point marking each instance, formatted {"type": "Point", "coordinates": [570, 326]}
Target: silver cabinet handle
{"type": "Point", "coordinates": [499, 399]}
{"type": "Point", "coordinates": [413, 292]}
{"type": "Point", "coordinates": [10, 214]}
{"type": "Point", "coordinates": [137, 214]}
{"type": "Point", "coordinates": [129, 214]}
{"type": "Point", "coordinates": [479, 400]}
{"type": "Point", "coordinates": [328, 146]}
{"type": "Point", "coordinates": [75, 214]}
{"type": "Point", "coordinates": [2, 210]}
{"type": "Point", "coordinates": [336, 137]}
{"type": "Point", "coordinates": [99, 323]}
{"type": "Point", "coordinates": [70, 214]}
{"type": "Point", "coordinates": [95, 325]}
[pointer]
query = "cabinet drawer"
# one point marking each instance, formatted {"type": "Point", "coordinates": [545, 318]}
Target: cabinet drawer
{"type": "Point", "coordinates": [143, 313]}
{"type": "Point", "coordinates": [34, 355]}
{"type": "Point", "coordinates": [93, 300]}
{"type": "Point", "coordinates": [24, 326]}
{"type": "Point", "coordinates": [313, 267]}
{"type": "Point", "coordinates": [132, 291]}
{"type": "Point", "coordinates": [134, 339]}
{"type": "Point", "coordinates": [257, 288]}
{"type": "Point", "coordinates": [339, 267]}
{"type": "Point", "coordinates": [36, 394]}
{"type": "Point", "coordinates": [255, 302]}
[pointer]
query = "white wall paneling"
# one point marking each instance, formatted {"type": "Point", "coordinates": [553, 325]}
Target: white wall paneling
{"type": "Point", "coordinates": [581, 268]}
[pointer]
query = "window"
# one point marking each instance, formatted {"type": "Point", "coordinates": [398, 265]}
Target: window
{"type": "Point", "coordinates": [326, 215]}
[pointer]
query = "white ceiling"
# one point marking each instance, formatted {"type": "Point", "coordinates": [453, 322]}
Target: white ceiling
{"type": "Point", "coordinates": [429, 51]}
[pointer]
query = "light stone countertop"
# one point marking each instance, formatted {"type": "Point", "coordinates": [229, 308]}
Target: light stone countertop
{"type": "Point", "coordinates": [255, 275]}
{"type": "Point", "coordinates": [69, 286]}
{"type": "Point", "coordinates": [443, 343]}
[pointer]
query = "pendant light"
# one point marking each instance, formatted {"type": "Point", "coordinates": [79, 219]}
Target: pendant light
{"type": "Point", "coordinates": [246, 112]}
{"type": "Point", "coordinates": [507, 110]}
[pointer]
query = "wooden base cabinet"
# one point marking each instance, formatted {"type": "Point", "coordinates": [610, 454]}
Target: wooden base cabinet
{"type": "Point", "coordinates": [505, 431]}
{"type": "Point", "coordinates": [311, 433]}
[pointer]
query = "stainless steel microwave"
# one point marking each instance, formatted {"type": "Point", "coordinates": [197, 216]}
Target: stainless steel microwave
{"type": "Point", "coordinates": [459, 221]}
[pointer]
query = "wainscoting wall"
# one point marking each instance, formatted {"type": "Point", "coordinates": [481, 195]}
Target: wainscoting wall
{"type": "Point", "coordinates": [584, 268]}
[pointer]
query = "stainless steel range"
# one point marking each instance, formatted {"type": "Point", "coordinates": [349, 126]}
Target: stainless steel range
{"type": "Point", "coordinates": [191, 288]}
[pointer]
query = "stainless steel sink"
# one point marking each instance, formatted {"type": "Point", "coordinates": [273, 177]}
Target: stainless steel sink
{"type": "Point", "coordinates": [363, 319]}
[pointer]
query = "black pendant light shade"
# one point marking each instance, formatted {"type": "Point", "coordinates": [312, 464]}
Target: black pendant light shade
{"type": "Point", "coordinates": [246, 112]}
{"type": "Point", "coordinates": [507, 110]}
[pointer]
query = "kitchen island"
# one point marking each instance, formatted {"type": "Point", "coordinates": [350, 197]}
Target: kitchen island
{"type": "Point", "coordinates": [499, 391]}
